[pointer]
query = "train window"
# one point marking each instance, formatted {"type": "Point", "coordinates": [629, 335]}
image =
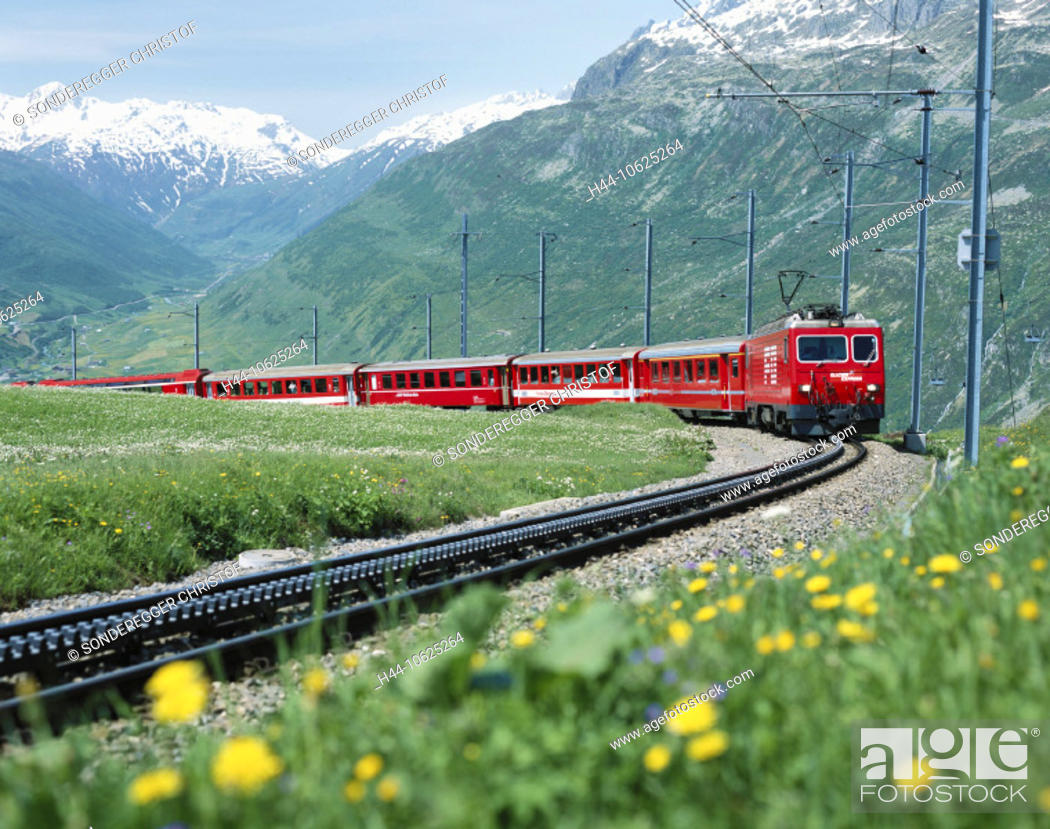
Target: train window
{"type": "Point", "coordinates": [590, 371]}
{"type": "Point", "coordinates": [676, 371]}
{"type": "Point", "coordinates": [785, 354]}
{"type": "Point", "coordinates": [335, 385]}
{"type": "Point", "coordinates": [238, 390]}
{"type": "Point", "coordinates": [616, 376]}
{"type": "Point", "coordinates": [399, 380]}
{"type": "Point", "coordinates": [523, 375]}
{"type": "Point", "coordinates": [735, 366]}
{"type": "Point", "coordinates": [687, 368]}
{"type": "Point", "coordinates": [545, 375]}
{"type": "Point", "coordinates": [443, 380]}
{"type": "Point", "coordinates": [428, 379]}
{"type": "Point", "coordinates": [714, 369]}
{"type": "Point", "coordinates": [305, 386]}
{"type": "Point", "coordinates": [577, 371]}
{"type": "Point", "coordinates": [475, 377]}
{"type": "Point", "coordinates": [822, 349]}
{"type": "Point", "coordinates": [264, 387]}
{"type": "Point", "coordinates": [554, 375]}
{"type": "Point", "coordinates": [492, 377]}
{"type": "Point", "coordinates": [700, 369]}
{"type": "Point", "coordinates": [865, 348]}
{"type": "Point", "coordinates": [461, 379]}
{"type": "Point", "coordinates": [249, 389]}
{"type": "Point", "coordinates": [321, 385]}
{"type": "Point", "coordinates": [292, 387]}
{"type": "Point", "coordinates": [388, 382]}
{"type": "Point", "coordinates": [413, 380]}
{"type": "Point", "coordinates": [278, 387]}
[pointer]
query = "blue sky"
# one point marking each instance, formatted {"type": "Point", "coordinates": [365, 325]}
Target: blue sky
{"type": "Point", "coordinates": [322, 62]}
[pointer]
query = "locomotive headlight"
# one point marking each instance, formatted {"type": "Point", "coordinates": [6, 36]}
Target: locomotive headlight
{"type": "Point", "coordinates": [804, 388]}
{"type": "Point", "coordinates": [873, 387]}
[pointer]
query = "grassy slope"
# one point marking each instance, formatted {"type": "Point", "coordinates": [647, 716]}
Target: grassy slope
{"type": "Point", "coordinates": [533, 749]}
{"type": "Point", "coordinates": [187, 481]}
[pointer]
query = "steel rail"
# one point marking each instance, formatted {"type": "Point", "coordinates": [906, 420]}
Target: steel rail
{"type": "Point", "coordinates": [289, 586]}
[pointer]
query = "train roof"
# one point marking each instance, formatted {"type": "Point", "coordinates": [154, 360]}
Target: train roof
{"type": "Point", "coordinates": [802, 320]}
{"type": "Point", "coordinates": [131, 380]}
{"type": "Point", "coordinates": [688, 348]}
{"type": "Point", "coordinates": [448, 362]}
{"type": "Point", "coordinates": [589, 355]}
{"type": "Point", "coordinates": [285, 371]}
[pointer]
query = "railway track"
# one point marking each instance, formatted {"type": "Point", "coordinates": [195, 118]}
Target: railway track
{"type": "Point", "coordinates": [263, 613]}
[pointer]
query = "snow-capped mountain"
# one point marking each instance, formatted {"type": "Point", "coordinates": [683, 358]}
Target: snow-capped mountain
{"type": "Point", "coordinates": [149, 158]}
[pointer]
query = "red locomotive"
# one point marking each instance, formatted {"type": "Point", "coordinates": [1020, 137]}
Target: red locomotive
{"type": "Point", "coordinates": [808, 373]}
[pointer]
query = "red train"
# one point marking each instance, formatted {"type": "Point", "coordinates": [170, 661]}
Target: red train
{"type": "Point", "coordinates": [808, 373]}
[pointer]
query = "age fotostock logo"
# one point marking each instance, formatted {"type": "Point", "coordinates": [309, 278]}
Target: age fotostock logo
{"type": "Point", "coordinates": [947, 767]}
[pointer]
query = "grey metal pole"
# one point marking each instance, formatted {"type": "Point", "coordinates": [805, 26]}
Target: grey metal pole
{"type": "Point", "coordinates": [749, 314]}
{"type": "Point", "coordinates": [543, 285]}
{"type": "Point", "coordinates": [914, 439]}
{"type": "Point", "coordinates": [73, 331]}
{"type": "Point", "coordinates": [978, 227]}
{"type": "Point", "coordinates": [315, 335]}
{"type": "Point", "coordinates": [648, 275]}
{"type": "Point", "coordinates": [196, 335]}
{"type": "Point", "coordinates": [428, 326]}
{"type": "Point", "coordinates": [847, 233]}
{"type": "Point", "coordinates": [463, 296]}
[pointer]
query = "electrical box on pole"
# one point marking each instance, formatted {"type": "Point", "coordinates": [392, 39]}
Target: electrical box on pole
{"type": "Point", "coordinates": [991, 250]}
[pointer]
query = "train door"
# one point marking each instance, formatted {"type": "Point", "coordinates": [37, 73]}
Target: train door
{"type": "Point", "coordinates": [504, 382]}
{"type": "Point", "coordinates": [735, 382]}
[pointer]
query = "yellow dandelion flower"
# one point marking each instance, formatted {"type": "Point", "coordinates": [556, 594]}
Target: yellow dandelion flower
{"type": "Point", "coordinates": [861, 594]}
{"type": "Point", "coordinates": [159, 784]}
{"type": "Point", "coordinates": [800, 545]}
{"type": "Point", "coordinates": [816, 555]}
{"type": "Point", "coordinates": [818, 584]}
{"type": "Point", "coordinates": [1038, 564]}
{"type": "Point", "coordinates": [826, 601]}
{"type": "Point", "coordinates": [351, 661]}
{"type": "Point", "coordinates": [945, 563]}
{"type": "Point", "coordinates": [733, 569]}
{"type": "Point", "coordinates": [765, 644]}
{"type": "Point", "coordinates": [657, 758]}
{"type": "Point", "coordinates": [777, 552]}
{"type": "Point", "coordinates": [368, 767]}
{"type": "Point", "coordinates": [995, 581]}
{"type": "Point", "coordinates": [692, 720]}
{"type": "Point", "coordinates": [522, 638]}
{"type": "Point", "coordinates": [854, 631]}
{"type": "Point", "coordinates": [676, 604]}
{"type": "Point", "coordinates": [705, 613]}
{"type": "Point", "coordinates": [1018, 490]}
{"type": "Point", "coordinates": [785, 640]}
{"type": "Point", "coordinates": [1020, 462]}
{"type": "Point", "coordinates": [1015, 515]}
{"type": "Point", "coordinates": [888, 552]}
{"type": "Point", "coordinates": [222, 474]}
{"type": "Point", "coordinates": [316, 681]}
{"type": "Point", "coordinates": [562, 607]}
{"type": "Point", "coordinates": [477, 661]}
{"type": "Point", "coordinates": [102, 524]}
{"type": "Point", "coordinates": [986, 661]}
{"type": "Point", "coordinates": [118, 530]}
{"type": "Point", "coordinates": [472, 751]}
{"type": "Point", "coordinates": [708, 567]}
{"type": "Point", "coordinates": [920, 570]}
{"type": "Point", "coordinates": [811, 639]}
{"type": "Point", "coordinates": [735, 603]}
{"type": "Point", "coordinates": [696, 585]}
{"type": "Point", "coordinates": [905, 561]}
{"type": "Point", "coordinates": [244, 764]}
{"type": "Point", "coordinates": [937, 582]}
{"type": "Point", "coordinates": [868, 609]}
{"type": "Point", "coordinates": [1028, 610]}
{"type": "Point", "coordinates": [182, 705]}
{"type": "Point", "coordinates": [388, 788]}
{"type": "Point", "coordinates": [354, 791]}
{"type": "Point", "coordinates": [540, 623]}
{"type": "Point", "coordinates": [708, 746]}
{"type": "Point", "coordinates": [680, 632]}
{"type": "Point", "coordinates": [779, 573]}
{"type": "Point", "coordinates": [800, 574]}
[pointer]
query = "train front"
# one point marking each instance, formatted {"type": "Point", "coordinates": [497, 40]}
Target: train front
{"type": "Point", "coordinates": [839, 377]}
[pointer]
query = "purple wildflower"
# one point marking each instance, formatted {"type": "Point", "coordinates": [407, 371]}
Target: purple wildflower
{"type": "Point", "coordinates": [654, 711]}
{"type": "Point", "coordinates": [656, 655]}
{"type": "Point", "coordinates": [718, 551]}
{"type": "Point", "coordinates": [746, 553]}
{"type": "Point", "coordinates": [690, 565]}
{"type": "Point", "coordinates": [1002, 440]}
{"type": "Point", "coordinates": [636, 657]}
{"type": "Point", "coordinates": [670, 677]}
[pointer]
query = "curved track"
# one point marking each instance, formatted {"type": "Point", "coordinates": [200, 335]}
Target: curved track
{"type": "Point", "coordinates": [253, 614]}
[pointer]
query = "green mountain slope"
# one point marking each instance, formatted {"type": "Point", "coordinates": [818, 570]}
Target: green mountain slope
{"type": "Point", "coordinates": [79, 253]}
